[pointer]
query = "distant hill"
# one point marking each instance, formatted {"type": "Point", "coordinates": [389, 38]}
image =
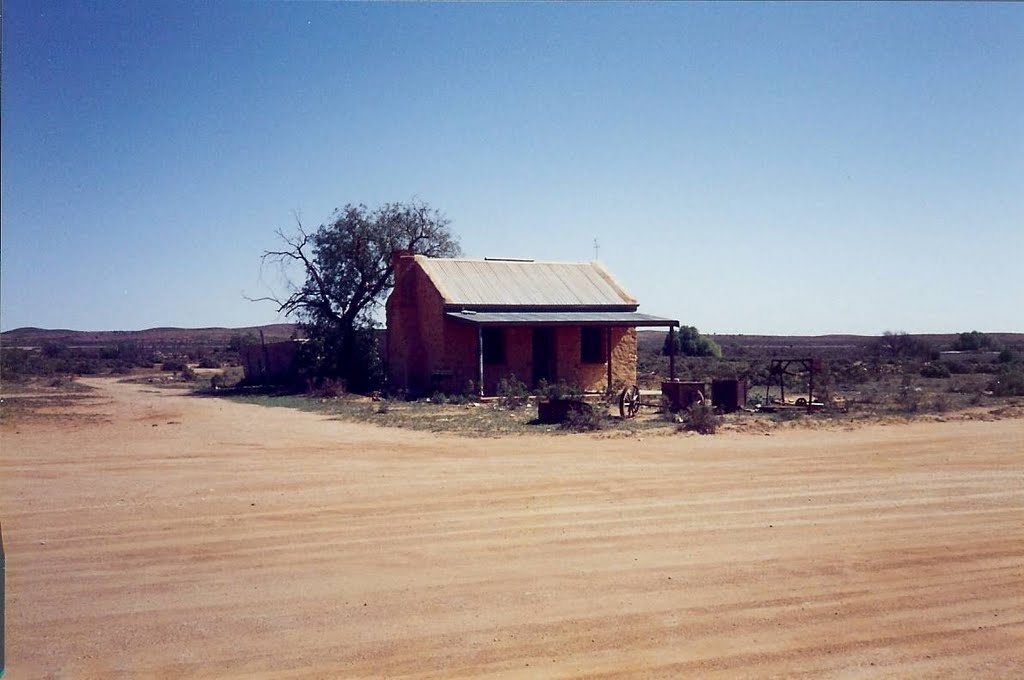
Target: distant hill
{"type": "Point", "coordinates": [154, 338]}
{"type": "Point", "coordinates": [812, 345]}
{"type": "Point", "coordinates": [170, 339]}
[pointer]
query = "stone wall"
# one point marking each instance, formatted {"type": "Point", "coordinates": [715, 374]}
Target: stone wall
{"type": "Point", "coordinates": [271, 363]}
{"type": "Point", "coordinates": [623, 358]}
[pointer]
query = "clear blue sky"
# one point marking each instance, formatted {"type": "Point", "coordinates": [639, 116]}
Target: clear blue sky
{"type": "Point", "coordinates": [754, 168]}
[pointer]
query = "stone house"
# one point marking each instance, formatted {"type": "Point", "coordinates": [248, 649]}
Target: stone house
{"type": "Point", "coordinates": [460, 324]}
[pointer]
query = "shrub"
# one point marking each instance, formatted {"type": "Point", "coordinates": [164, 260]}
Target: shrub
{"type": "Point", "coordinates": [173, 365]}
{"type": "Point", "coordinates": [328, 388]}
{"type": "Point", "coordinates": [1006, 356]}
{"type": "Point", "coordinates": [582, 420]}
{"type": "Point", "coordinates": [959, 367]}
{"type": "Point", "coordinates": [512, 393]}
{"type": "Point", "coordinates": [187, 374]}
{"type": "Point", "coordinates": [15, 363]}
{"type": "Point", "coordinates": [939, 403]}
{"type": "Point", "coordinates": [558, 390]}
{"type": "Point", "coordinates": [209, 362]}
{"type": "Point", "coordinates": [701, 418]}
{"type": "Point", "coordinates": [85, 367]}
{"type": "Point", "coordinates": [54, 350]}
{"type": "Point", "coordinates": [973, 341]}
{"type": "Point", "coordinates": [440, 397]}
{"type": "Point", "coordinates": [240, 340]}
{"type": "Point", "coordinates": [227, 379]}
{"type": "Point", "coordinates": [908, 397]}
{"type": "Point", "coordinates": [902, 345]}
{"type": "Point", "coordinates": [352, 357]}
{"type": "Point", "coordinates": [1010, 383]}
{"type": "Point", "coordinates": [934, 371]}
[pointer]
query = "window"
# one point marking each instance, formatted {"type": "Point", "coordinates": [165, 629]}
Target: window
{"type": "Point", "coordinates": [494, 346]}
{"type": "Point", "coordinates": [592, 345]}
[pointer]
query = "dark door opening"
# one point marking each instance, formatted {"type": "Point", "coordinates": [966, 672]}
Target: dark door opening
{"type": "Point", "coordinates": [544, 360]}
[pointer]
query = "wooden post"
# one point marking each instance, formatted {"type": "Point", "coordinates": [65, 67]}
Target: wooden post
{"type": "Point", "coordinates": [608, 356]}
{"type": "Point", "coordinates": [480, 358]}
{"type": "Point", "coordinates": [266, 356]}
{"type": "Point", "coordinates": [782, 380]}
{"type": "Point", "coordinates": [810, 388]}
{"type": "Point", "coordinates": [671, 352]}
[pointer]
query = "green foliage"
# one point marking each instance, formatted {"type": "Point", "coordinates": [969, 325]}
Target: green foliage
{"type": "Point", "coordinates": [512, 393]}
{"type": "Point", "coordinates": [351, 356]}
{"type": "Point", "coordinates": [348, 271]}
{"type": "Point", "coordinates": [1006, 356]}
{"type": "Point", "coordinates": [973, 342]}
{"type": "Point", "coordinates": [690, 343]}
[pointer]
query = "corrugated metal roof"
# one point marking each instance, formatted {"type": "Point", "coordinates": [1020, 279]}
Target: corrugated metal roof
{"type": "Point", "coordinates": [561, 319]}
{"type": "Point", "coordinates": [497, 283]}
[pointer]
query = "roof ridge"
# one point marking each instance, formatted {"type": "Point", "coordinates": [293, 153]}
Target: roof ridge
{"type": "Point", "coordinates": [466, 281]}
{"type": "Point", "coordinates": [508, 260]}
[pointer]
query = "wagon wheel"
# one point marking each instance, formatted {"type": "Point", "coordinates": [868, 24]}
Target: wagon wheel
{"type": "Point", "coordinates": [629, 401]}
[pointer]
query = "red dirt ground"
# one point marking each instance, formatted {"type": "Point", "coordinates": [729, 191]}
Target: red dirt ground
{"type": "Point", "coordinates": [176, 536]}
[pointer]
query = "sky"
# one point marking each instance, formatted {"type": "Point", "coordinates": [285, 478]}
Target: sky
{"type": "Point", "coordinates": [804, 168]}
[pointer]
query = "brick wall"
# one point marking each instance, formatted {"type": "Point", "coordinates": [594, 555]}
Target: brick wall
{"type": "Point", "coordinates": [415, 327]}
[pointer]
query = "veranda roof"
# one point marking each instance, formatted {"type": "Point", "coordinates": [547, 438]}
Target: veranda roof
{"type": "Point", "coordinates": [627, 319]}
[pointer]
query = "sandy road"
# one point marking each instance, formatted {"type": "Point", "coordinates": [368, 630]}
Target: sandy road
{"type": "Point", "coordinates": [188, 537]}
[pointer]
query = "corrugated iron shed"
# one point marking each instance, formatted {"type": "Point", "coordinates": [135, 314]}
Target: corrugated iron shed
{"type": "Point", "coordinates": [483, 284]}
{"type": "Point", "coordinates": [628, 319]}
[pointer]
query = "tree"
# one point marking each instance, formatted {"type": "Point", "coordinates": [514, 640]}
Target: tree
{"type": "Point", "coordinates": [902, 345]}
{"type": "Point", "coordinates": [690, 343]}
{"type": "Point", "coordinates": [974, 341]}
{"type": "Point", "coordinates": [348, 272]}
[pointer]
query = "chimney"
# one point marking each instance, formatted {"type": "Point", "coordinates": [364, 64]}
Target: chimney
{"type": "Point", "coordinates": [400, 261]}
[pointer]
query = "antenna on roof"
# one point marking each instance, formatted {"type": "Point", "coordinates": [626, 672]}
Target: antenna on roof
{"type": "Point", "coordinates": [597, 250]}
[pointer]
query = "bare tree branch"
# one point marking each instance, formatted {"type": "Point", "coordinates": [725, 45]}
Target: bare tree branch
{"type": "Point", "coordinates": [346, 263]}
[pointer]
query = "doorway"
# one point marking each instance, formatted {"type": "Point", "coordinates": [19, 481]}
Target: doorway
{"type": "Point", "coordinates": [544, 359]}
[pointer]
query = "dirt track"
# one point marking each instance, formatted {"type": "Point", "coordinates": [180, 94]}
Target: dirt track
{"type": "Point", "coordinates": [185, 537]}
